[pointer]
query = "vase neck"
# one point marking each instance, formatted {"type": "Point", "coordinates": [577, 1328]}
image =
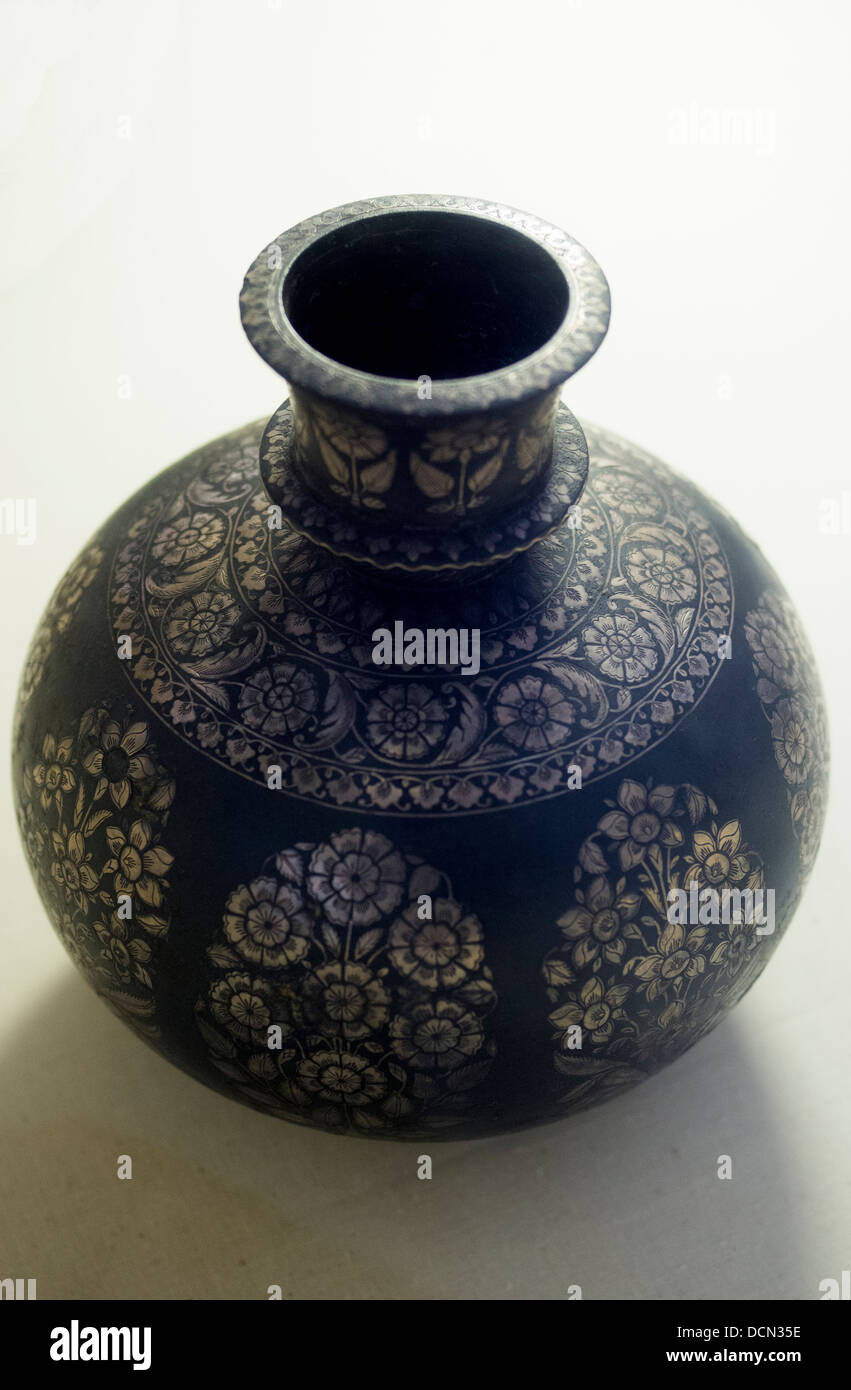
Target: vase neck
{"type": "Point", "coordinates": [425, 341]}
{"type": "Point", "coordinates": [425, 472]}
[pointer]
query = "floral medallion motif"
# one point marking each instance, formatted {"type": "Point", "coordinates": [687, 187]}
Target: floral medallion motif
{"type": "Point", "coordinates": [255, 646]}
{"type": "Point", "coordinates": [93, 814]}
{"type": "Point", "coordinates": [792, 701]}
{"type": "Point", "coordinates": [382, 1011]}
{"type": "Point", "coordinates": [635, 988]}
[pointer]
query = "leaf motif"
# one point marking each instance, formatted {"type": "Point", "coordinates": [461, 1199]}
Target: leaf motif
{"type": "Point", "coordinates": [574, 1064]}
{"type": "Point", "coordinates": [368, 942]}
{"type": "Point", "coordinates": [424, 879]}
{"type": "Point", "coordinates": [364, 1120]}
{"type": "Point", "coordinates": [478, 993]}
{"type": "Point", "coordinates": [331, 937]}
{"type": "Point", "coordinates": [200, 494]}
{"type": "Point", "coordinates": [581, 683]}
{"type": "Point", "coordinates": [424, 1087]}
{"type": "Point", "coordinates": [193, 577]}
{"type": "Point", "coordinates": [682, 622]}
{"type": "Point", "coordinates": [470, 725]}
{"type": "Point", "coordinates": [227, 663]}
{"type": "Point", "coordinates": [528, 451]}
{"type": "Point", "coordinates": [430, 480]}
{"type": "Point", "coordinates": [591, 858]}
{"type": "Point", "coordinates": [94, 819]}
{"type": "Point", "coordinates": [655, 619]}
{"type": "Point", "coordinates": [289, 865]}
{"type": "Point", "coordinates": [338, 711]}
{"type": "Point", "coordinates": [229, 1068]}
{"type": "Point", "coordinates": [378, 476]}
{"type": "Point", "coordinates": [215, 693]}
{"type": "Point", "coordinates": [766, 690]}
{"type": "Point", "coordinates": [262, 1064]}
{"type": "Point", "coordinates": [153, 924]}
{"type": "Point", "coordinates": [128, 1003]}
{"type": "Point", "coordinates": [221, 956]}
{"type": "Point", "coordinates": [466, 1077]}
{"type": "Point", "coordinates": [271, 602]}
{"type": "Point", "coordinates": [485, 475]}
{"type": "Point", "coordinates": [336, 466]}
{"type": "Point", "coordinates": [556, 972]}
{"type": "Point", "coordinates": [695, 802]}
{"type": "Point", "coordinates": [655, 901]}
{"type": "Point", "coordinates": [88, 722]}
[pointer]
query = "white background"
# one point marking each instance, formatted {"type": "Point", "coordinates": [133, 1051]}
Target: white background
{"type": "Point", "coordinates": [701, 153]}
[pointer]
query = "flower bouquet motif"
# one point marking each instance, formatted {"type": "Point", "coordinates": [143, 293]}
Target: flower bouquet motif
{"type": "Point", "coordinates": [92, 816]}
{"type": "Point", "coordinates": [630, 983]}
{"type": "Point", "coordinates": [349, 988]}
{"type": "Point", "coordinates": [793, 705]}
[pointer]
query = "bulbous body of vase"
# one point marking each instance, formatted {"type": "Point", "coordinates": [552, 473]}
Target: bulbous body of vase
{"type": "Point", "coordinates": [325, 847]}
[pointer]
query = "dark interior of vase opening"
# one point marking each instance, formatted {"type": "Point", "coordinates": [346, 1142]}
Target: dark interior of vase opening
{"type": "Point", "coordinates": [435, 294]}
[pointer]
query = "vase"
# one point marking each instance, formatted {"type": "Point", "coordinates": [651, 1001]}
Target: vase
{"type": "Point", "coordinates": [421, 763]}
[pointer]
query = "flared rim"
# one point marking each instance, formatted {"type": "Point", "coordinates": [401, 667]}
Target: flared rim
{"type": "Point", "coordinates": [274, 337]}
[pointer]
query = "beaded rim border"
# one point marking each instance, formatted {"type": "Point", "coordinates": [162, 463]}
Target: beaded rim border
{"type": "Point", "coordinates": [528, 521]}
{"type": "Point", "coordinates": [272, 335]}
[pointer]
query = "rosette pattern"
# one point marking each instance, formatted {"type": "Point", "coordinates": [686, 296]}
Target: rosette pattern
{"type": "Point", "coordinates": [256, 645]}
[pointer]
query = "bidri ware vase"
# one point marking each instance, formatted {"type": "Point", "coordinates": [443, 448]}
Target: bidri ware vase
{"type": "Point", "coordinates": [422, 762]}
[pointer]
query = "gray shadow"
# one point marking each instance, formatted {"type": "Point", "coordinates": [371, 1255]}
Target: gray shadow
{"type": "Point", "coordinates": [622, 1200]}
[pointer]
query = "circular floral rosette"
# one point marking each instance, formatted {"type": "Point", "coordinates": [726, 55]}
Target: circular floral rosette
{"type": "Point", "coordinates": [628, 979]}
{"type": "Point", "coordinates": [348, 989]}
{"type": "Point", "coordinates": [256, 645]}
{"type": "Point", "coordinates": [93, 814]}
{"type": "Point", "coordinates": [788, 687]}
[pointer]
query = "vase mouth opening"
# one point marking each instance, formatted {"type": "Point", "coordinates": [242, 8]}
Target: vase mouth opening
{"type": "Point", "coordinates": [426, 305]}
{"type": "Point", "coordinates": [421, 295]}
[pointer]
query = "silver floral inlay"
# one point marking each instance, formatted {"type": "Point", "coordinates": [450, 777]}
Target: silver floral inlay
{"type": "Point", "coordinates": [256, 646]}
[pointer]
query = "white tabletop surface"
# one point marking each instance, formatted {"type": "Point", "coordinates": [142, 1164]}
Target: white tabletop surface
{"type": "Point", "coordinates": [701, 153]}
